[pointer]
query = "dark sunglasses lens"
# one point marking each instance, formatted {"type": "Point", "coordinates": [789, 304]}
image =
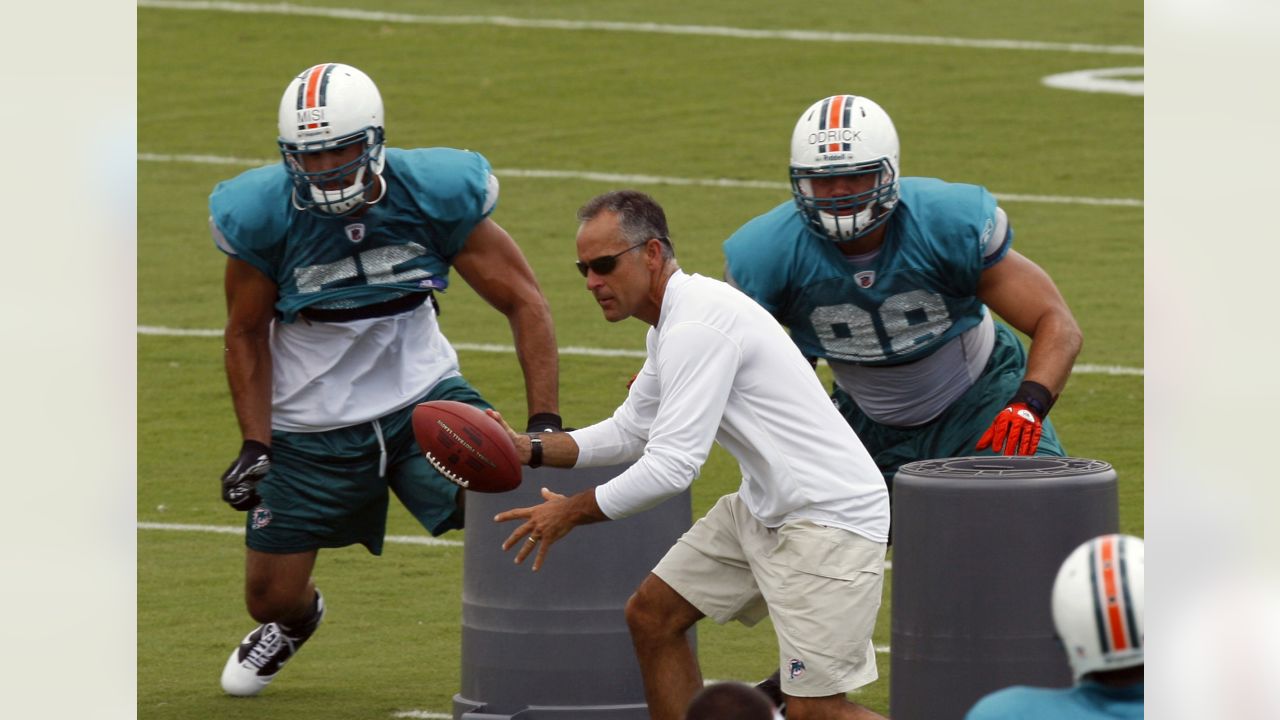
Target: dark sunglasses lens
{"type": "Point", "coordinates": [601, 265]}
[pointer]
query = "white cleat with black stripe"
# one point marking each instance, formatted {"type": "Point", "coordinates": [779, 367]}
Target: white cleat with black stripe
{"type": "Point", "coordinates": [259, 657]}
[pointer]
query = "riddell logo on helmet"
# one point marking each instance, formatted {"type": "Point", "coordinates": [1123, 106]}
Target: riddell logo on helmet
{"type": "Point", "coordinates": [839, 135]}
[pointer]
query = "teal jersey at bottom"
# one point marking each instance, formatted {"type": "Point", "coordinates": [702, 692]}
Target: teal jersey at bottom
{"type": "Point", "coordinates": [1086, 701]}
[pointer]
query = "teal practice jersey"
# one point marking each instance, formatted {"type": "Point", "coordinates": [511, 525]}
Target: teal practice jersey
{"type": "Point", "coordinates": [404, 243]}
{"type": "Point", "coordinates": [1087, 701]}
{"type": "Point", "coordinates": [911, 299]}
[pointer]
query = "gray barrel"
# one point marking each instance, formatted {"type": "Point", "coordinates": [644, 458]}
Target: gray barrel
{"type": "Point", "coordinates": [554, 644]}
{"type": "Point", "coordinates": [976, 545]}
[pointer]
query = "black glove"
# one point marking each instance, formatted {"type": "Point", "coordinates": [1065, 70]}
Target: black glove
{"type": "Point", "coordinates": [240, 481]}
{"type": "Point", "coordinates": [545, 422]}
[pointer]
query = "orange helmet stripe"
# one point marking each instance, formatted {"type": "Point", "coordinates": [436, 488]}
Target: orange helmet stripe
{"type": "Point", "coordinates": [834, 114]}
{"type": "Point", "coordinates": [1112, 597]}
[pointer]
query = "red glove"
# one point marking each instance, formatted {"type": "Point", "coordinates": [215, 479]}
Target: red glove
{"type": "Point", "coordinates": [1015, 431]}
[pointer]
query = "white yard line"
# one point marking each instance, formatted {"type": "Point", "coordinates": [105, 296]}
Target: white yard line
{"type": "Point", "coordinates": [239, 530]}
{"type": "Point", "coordinates": [641, 27]}
{"type": "Point", "coordinates": [626, 179]}
{"type": "Point", "coordinates": [573, 350]}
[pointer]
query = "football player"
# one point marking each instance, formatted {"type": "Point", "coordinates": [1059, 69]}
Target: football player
{"type": "Point", "coordinates": [334, 257]}
{"type": "Point", "coordinates": [893, 281]}
{"type": "Point", "coordinates": [1098, 603]}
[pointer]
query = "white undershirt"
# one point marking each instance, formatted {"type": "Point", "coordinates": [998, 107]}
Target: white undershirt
{"type": "Point", "coordinates": [328, 375]}
{"type": "Point", "coordinates": [721, 369]}
{"type": "Point", "coordinates": [914, 393]}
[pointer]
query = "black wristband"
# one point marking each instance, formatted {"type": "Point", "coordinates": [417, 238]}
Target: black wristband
{"type": "Point", "coordinates": [535, 450]}
{"type": "Point", "coordinates": [254, 447]}
{"type": "Point", "coordinates": [1035, 396]}
{"type": "Point", "coordinates": [544, 422]}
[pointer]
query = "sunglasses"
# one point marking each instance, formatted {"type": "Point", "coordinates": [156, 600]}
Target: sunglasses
{"type": "Point", "coordinates": [605, 264]}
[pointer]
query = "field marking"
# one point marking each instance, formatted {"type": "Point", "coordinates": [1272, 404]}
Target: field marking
{"type": "Point", "coordinates": [633, 27]}
{"type": "Point", "coordinates": [239, 530]}
{"type": "Point", "coordinates": [1083, 368]}
{"type": "Point", "coordinates": [628, 179]}
{"type": "Point", "coordinates": [1121, 81]}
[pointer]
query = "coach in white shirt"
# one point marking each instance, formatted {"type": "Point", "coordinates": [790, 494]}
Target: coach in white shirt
{"type": "Point", "coordinates": [803, 538]}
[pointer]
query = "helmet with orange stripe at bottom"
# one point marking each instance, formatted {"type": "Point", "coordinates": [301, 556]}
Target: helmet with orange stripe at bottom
{"type": "Point", "coordinates": [845, 135]}
{"type": "Point", "coordinates": [1098, 601]}
{"type": "Point", "coordinates": [335, 111]}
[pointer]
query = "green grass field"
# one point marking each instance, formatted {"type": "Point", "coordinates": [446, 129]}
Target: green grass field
{"type": "Point", "coordinates": [578, 101]}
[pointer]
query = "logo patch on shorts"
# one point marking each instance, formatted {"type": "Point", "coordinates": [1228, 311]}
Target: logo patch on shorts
{"type": "Point", "coordinates": [261, 517]}
{"type": "Point", "coordinates": [795, 668]}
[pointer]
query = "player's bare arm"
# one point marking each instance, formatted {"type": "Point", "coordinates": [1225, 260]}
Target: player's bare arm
{"type": "Point", "coordinates": [494, 267]}
{"type": "Point", "coordinates": [1024, 295]}
{"type": "Point", "coordinates": [251, 298]}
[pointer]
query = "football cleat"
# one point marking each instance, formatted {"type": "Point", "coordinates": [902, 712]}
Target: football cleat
{"type": "Point", "coordinates": [259, 657]}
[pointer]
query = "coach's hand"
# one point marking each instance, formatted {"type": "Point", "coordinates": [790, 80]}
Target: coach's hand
{"type": "Point", "coordinates": [240, 481]}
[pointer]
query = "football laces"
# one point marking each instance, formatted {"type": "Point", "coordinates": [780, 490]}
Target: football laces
{"type": "Point", "coordinates": [453, 477]}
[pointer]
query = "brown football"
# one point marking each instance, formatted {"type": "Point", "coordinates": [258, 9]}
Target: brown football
{"type": "Point", "coordinates": [467, 446]}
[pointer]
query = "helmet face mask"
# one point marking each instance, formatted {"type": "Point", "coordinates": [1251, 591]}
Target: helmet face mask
{"type": "Point", "coordinates": [330, 108]}
{"type": "Point", "coordinates": [1098, 604]}
{"type": "Point", "coordinates": [845, 135]}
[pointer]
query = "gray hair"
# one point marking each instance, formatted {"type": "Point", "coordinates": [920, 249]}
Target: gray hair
{"type": "Point", "coordinates": [640, 217]}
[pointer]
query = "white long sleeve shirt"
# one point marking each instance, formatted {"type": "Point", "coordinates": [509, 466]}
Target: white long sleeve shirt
{"type": "Point", "coordinates": [721, 369]}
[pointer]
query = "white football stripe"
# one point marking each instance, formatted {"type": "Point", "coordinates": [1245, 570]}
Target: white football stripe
{"type": "Point", "coordinates": [633, 27]}
{"type": "Point", "coordinates": [1083, 369]}
{"type": "Point", "coordinates": [625, 179]}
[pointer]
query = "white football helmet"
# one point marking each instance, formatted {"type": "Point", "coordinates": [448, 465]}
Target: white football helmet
{"type": "Point", "coordinates": [845, 135]}
{"type": "Point", "coordinates": [1098, 604]}
{"type": "Point", "coordinates": [331, 106]}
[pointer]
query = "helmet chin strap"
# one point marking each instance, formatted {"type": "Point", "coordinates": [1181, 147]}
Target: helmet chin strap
{"type": "Point", "coordinates": [346, 199]}
{"type": "Point", "coordinates": [845, 227]}
{"type": "Point", "coordinates": [382, 190]}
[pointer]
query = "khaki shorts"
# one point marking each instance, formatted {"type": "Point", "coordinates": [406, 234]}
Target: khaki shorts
{"type": "Point", "coordinates": [820, 585]}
